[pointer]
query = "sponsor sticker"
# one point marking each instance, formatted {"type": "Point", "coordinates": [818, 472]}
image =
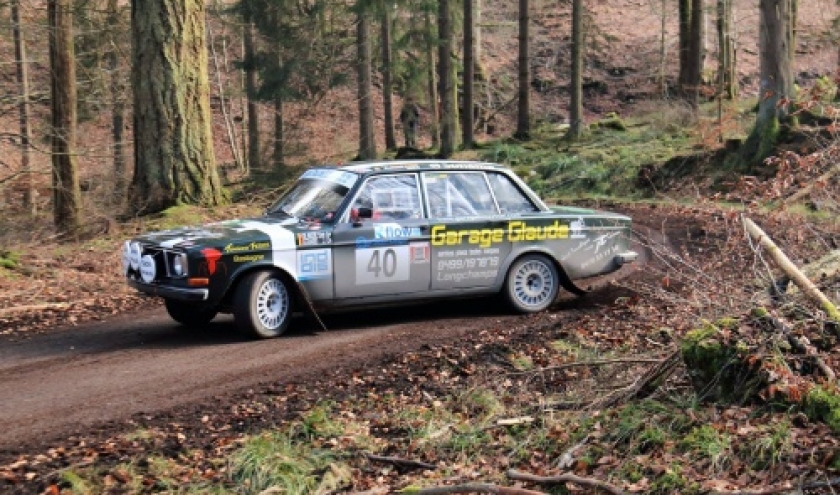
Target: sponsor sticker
{"type": "Point", "coordinates": [395, 231]}
{"type": "Point", "coordinates": [314, 263]}
{"type": "Point", "coordinates": [253, 246]}
{"type": "Point", "coordinates": [314, 238]}
{"type": "Point", "coordinates": [420, 252]}
{"type": "Point", "coordinates": [516, 231]}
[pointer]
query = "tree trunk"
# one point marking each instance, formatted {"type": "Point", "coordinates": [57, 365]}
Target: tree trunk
{"type": "Point", "coordinates": [468, 116]}
{"type": "Point", "coordinates": [367, 142]}
{"type": "Point", "coordinates": [117, 106]}
{"type": "Point", "coordinates": [727, 83]}
{"type": "Point", "coordinates": [685, 41]}
{"type": "Point", "coordinates": [448, 117]}
{"type": "Point", "coordinates": [523, 121]}
{"type": "Point", "coordinates": [387, 84]}
{"type": "Point", "coordinates": [434, 113]}
{"type": "Point", "coordinates": [22, 73]}
{"type": "Point", "coordinates": [250, 67]}
{"type": "Point", "coordinates": [576, 107]}
{"type": "Point", "coordinates": [174, 160]}
{"type": "Point", "coordinates": [695, 56]}
{"type": "Point", "coordinates": [67, 197]}
{"type": "Point", "coordinates": [776, 85]}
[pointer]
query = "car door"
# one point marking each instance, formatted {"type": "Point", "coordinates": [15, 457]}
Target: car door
{"type": "Point", "coordinates": [468, 236]}
{"type": "Point", "coordinates": [381, 247]}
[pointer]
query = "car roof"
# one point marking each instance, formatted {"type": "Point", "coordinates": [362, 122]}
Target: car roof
{"type": "Point", "coordinates": [380, 166]}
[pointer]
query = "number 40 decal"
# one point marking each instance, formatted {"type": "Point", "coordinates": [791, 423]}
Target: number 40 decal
{"type": "Point", "coordinates": [387, 266]}
{"type": "Point", "coordinates": [383, 265]}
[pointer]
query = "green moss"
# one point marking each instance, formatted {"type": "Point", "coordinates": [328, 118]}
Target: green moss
{"type": "Point", "coordinates": [9, 260]}
{"type": "Point", "coordinates": [823, 404]}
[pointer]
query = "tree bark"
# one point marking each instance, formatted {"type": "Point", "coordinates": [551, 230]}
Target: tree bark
{"type": "Point", "coordinates": [695, 54]}
{"type": "Point", "coordinates": [387, 83]}
{"type": "Point", "coordinates": [367, 143]}
{"type": "Point", "coordinates": [775, 82]}
{"type": "Point", "coordinates": [467, 115]}
{"type": "Point", "coordinates": [684, 41]}
{"type": "Point", "coordinates": [523, 120]}
{"type": "Point", "coordinates": [279, 152]}
{"type": "Point", "coordinates": [173, 153]}
{"type": "Point", "coordinates": [727, 83]}
{"type": "Point", "coordinates": [576, 106]}
{"type": "Point", "coordinates": [22, 74]}
{"type": "Point", "coordinates": [67, 196]}
{"type": "Point", "coordinates": [448, 129]}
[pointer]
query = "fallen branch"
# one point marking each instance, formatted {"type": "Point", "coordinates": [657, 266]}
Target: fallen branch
{"type": "Point", "coordinates": [565, 478]}
{"type": "Point", "coordinates": [476, 488]}
{"type": "Point", "coordinates": [396, 461]}
{"type": "Point", "coordinates": [797, 343]}
{"type": "Point", "coordinates": [810, 186]}
{"type": "Point", "coordinates": [568, 458]}
{"type": "Point", "coordinates": [787, 266]}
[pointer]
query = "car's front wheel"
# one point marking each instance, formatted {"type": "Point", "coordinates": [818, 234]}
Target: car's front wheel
{"type": "Point", "coordinates": [191, 315]}
{"type": "Point", "coordinates": [262, 305]}
{"type": "Point", "coordinates": [532, 283]}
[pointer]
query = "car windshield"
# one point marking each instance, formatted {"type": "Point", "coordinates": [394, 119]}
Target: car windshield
{"type": "Point", "coordinates": [316, 196]}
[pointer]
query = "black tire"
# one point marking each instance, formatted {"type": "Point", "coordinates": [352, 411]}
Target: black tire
{"type": "Point", "coordinates": [262, 305]}
{"type": "Point", "coordinates": [532, 283]}
{"type": "Point", "coordinates": [191, 315]}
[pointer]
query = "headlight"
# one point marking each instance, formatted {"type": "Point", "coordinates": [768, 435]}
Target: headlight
{"type": "Point", "coordinates": [179, 265]}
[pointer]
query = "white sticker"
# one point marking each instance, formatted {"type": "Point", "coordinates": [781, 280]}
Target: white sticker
{"type": "Point", "coordinates": [383, 264]}
{"type": "Point", "coordinates": [576, 227]}
{"type": "Point", "coordinates": [147, 269]}
{"type": "Point", "coordinates": [134, 253]}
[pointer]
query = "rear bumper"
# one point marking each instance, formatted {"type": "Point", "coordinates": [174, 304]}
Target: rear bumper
{"type": "Point", "coordinates": [167, 292]}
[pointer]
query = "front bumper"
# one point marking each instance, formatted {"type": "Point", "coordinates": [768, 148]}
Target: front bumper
{"type": "Point", "coordinates": [168, 292]}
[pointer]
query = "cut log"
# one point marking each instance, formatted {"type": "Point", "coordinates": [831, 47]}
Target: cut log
{"type": "Point", "coordinates": [787, 266]}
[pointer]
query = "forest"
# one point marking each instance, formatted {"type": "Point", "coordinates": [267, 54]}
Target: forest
{"type": "Point", "coordinates": [710, 368]}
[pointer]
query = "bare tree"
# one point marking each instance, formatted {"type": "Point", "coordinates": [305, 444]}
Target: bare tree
{"type": "Point", "coordinates": [22, 73]}
{"type": "Point", "coordinates": [576, 106]}
{"type": "Point", "coordinates": [250, 68]}
{"type": "Point", "coordinates": [116, 87]}
{"type": "Point", "coordinates": [67, 196]}
{"type": "Point", "coordinates": [448, 90]}
{"type": "Point", "coordinates": [523, 121]}
{"type": "Point", "coordinates": [434, 114]}
{"type": "Point", "coordinates": [173, 152]}
{"type": "Point", "coordinates": [367, 141]}
{"type": "Point", "coordinates": [387, 84]}
{"type": "Point", "coordinates": [727, 83]}
{"type": "Point", "coordinates": [776, 83]}
{"type": "Point", "coordinates": [468, 116]}
{"type": "Point", "coordinates": [696, 55]}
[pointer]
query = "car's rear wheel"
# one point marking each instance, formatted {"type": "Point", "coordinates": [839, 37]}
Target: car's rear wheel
{"type": "Point", "coordinates": [262, 305]}
{"type": "Point", "coordinates": [191, 315]}
{"type": "Point", "coordinates": [532, 283]}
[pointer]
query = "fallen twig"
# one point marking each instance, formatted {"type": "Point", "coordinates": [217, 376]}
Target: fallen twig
{"type": "Point", "coordinates": [405, 463]}
{"type": "Point", "coordinates": [653, 377]}
{"type": "Point", "coordinates": [578, 364]}
{"type": "Point", "coordinates": [568, 458]}
{"type": "Point", "coordinates": [565, 478]}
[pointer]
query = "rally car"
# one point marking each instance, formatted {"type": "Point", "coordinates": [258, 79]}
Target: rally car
{"type": "Point", "coordinates": [375, 233]}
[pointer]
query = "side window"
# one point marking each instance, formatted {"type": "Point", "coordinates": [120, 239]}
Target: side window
{"type": "Point", "coordinates": [511, 200]}
{"type": "Point", "coordinates": [388, 198]}
{"type": "Point", "coordinates": [458, 194]}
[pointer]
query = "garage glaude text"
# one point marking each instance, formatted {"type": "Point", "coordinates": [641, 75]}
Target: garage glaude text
{"type": "Point", "coordinates": [516, 231]}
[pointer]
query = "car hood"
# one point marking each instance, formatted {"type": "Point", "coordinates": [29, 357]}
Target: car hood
{"type": "Point", "coordinates": [249, 234]}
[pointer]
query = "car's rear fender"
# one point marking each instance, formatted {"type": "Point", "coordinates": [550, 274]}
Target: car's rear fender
{"type": "Point", "coordinates": [565, 280]}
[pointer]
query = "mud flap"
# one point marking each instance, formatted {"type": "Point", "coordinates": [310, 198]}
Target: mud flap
{"type": "Point", "coordinates": [570, 286]}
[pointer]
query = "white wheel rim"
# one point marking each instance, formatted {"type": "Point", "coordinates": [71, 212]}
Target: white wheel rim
{"type": "Point", "coordinates": [272, 304]}
{"type": "Point", "coordinates": [533, 283]}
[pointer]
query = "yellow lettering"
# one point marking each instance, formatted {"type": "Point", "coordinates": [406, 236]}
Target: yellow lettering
{"type": "Point", "coordinates": [439, 235]}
